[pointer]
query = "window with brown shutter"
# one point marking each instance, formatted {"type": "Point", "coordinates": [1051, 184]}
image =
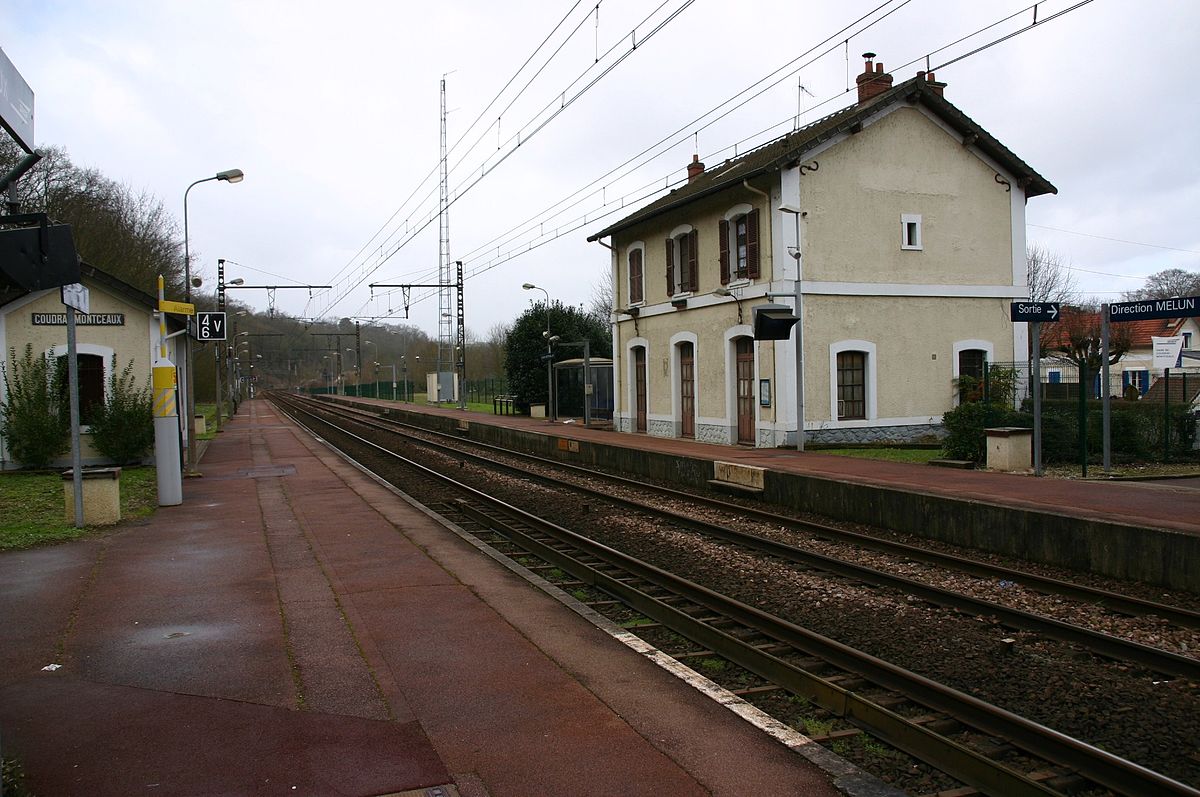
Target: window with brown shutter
{"type": "Point", "coordinates": [752, 270]}
{"type": "Point", "coordinates": [693, 281]}
{"type": "Point", "coordinates": [670, 267]}
{"type": "Point", "coordinates": [724, 228]}
{"type": "Point", "coordinates": [635, 275]}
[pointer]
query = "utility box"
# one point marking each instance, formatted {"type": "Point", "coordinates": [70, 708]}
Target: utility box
{"type": "Point", "coordinates": [200, 424]}
{"type": "Point", "coordinates": [537, 410]}
{"type": "Point", "coordinates": [1010, 449]}
{"type": "Point", "coordinates": [101, 496]}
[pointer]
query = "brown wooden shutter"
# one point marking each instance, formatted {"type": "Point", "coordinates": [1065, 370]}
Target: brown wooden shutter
{"type": "Point", "coordinates": [724, 227]}
{"type": "Point", "coordinates": [693, 248]}
{"type": "Point", "coordinates": [635, 276]}
{"type": "Point", "coordinates": [670, 267]}
{"type": "Point", "coordinates": [752, 244]}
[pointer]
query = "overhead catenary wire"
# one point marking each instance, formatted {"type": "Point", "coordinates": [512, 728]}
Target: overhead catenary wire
{"type": "Point", "coordinates": [594, 215]}
{"type": "Point", "coordinates": [365, 269]}
{"type": "Point", "coordinates": [463, 136]}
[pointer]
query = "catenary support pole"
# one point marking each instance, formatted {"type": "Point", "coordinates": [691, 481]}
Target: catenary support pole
{"type": "Point", "coordinates": [73, 390]}
{"type": "Point", "coordinates": [1105, 398]}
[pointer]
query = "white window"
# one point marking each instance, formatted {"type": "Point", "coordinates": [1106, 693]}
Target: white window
{"type": "Point", "coordinates": [682, 261]}
{"type": "Point", "coordinates": [910, 231]}
{"type": "Point", "coordinates": [853, 398]}
{"type": "Point", "coordinates": [739, 245]}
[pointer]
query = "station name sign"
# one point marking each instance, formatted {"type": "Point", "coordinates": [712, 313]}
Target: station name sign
{"type": "Point", "coordinates": [82, 319]}
{"type": "Point", "coordinates": [1180, 307]}
{"type": "Point", "coordinates": [1034, 311]}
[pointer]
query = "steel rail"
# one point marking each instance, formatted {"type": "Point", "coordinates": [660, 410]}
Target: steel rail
{"type": "Point", "coordinates": [1101, 767]}
{"type": "Point", "coordinates": [1106, 645]}
{"type": "Point", "coordinates": [1111, 600]}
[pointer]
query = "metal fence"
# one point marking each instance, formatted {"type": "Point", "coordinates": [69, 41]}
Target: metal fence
{"type": "Point", "coordinates": [1153, 417]}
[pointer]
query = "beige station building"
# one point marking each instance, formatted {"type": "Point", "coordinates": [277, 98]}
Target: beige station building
{"type": "Point", "coordinates": [894, 229]}
{"type": "Point", "coordinates": [122, 323]}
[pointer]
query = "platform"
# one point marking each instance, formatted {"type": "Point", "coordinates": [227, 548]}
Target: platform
{"type": "Point", "coordinates": [1133, 530]}
{"type": "Point", "coordinates": [294, 627]}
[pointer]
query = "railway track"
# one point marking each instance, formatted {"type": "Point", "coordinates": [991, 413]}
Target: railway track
{"type": "Point", "coordinates": [1102, 644]}
{"type": "Point", "coordinates": [908, 711]}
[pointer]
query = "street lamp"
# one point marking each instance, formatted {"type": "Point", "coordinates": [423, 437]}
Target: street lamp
{"type": "Point", "coordinates": [375, 382]}
{"type": "Point", "coordinates": [357, 370]}
{"type": "Point", "coordinates": [228, 176]}
{"type": "Point", "coordinates": [529, 286]}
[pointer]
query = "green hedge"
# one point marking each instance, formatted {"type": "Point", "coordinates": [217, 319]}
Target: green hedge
{"type": "Point", "coordinates": [1136, 430]}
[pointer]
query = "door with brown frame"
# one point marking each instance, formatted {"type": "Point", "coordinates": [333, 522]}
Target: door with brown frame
{"type": "Point", "coordinates": [687, 389]}
{"type": "Point", "coordinates": [745, 391]}
{"type": "Point", "coordinates": [639, 381]}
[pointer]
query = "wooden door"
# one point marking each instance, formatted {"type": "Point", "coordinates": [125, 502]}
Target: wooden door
{"type": "Point", "coordinates": [687, 389]}
{"type": "Point", "coordinates": [639, 380]}
{"type": "Point", "coordinates": [745, 390]}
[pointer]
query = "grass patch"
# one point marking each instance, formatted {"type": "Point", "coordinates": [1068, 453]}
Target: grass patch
{"type": "Point", "coordinates": [34, 510]}
{"type": "Point", "coordinates": [12, 779]}
{"type": "Point", "coordinates": [920, 456]}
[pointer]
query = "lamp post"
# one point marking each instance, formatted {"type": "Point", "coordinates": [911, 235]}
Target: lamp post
{"type": "Point", "coordinates": [357, 371]}
{"type": "Point", "coordinates": [529, 286]}
{"type": "Point", "coordinates": [228, 176]}
{"type": "Point", "coordinates": [393, 380]}
{"type": "Point", "coordinates": [374, 382]}
{"type": "Point", "coordinates": [218, 350]}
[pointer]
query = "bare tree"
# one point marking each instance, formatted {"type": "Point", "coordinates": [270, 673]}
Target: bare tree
{"type": "Point", "coordinates": [1076, 338]}
{"type": "Point", "coordinates": [1167, 285]}
{"type": "Point", "coordinates": [1050, 280]}
{"type": "Point", "coordinates": [129, 235]}
{"type": "Point", "coordinates": [603, 298]}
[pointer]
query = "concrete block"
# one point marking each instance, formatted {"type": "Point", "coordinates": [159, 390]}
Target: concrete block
{"type": "Point", "coordinates": [101, 496]}
{"type": "Point", "coordinates": [200, 425]}
{"type": "Point", "coordinates": [746, 476]}
{"type": "Point", "coordinates": [1010, 448]}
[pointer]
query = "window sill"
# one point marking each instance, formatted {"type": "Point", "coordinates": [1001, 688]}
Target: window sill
{"type": "Point", "coordinates": [740, 282]}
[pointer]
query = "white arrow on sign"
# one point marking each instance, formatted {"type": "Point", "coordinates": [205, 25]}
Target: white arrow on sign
{"type": "Point", "coordinates": [1053, 311]}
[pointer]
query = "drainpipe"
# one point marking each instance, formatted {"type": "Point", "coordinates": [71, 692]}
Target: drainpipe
{"type": "Point", "coordinates": [799, 324]}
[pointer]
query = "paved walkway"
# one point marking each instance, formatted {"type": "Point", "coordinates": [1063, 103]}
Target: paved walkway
{"type": "Point", "coordinates": [1160, 504]}
{"type": "Point", "coordinates": [294, 628]}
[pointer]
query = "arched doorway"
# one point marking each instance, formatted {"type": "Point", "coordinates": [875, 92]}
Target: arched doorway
{"type": "Point", "coordinates": [744, 348]}
{"type": "Point", "coordinates": [639, 382]}
{"type": "Point", "coordinates": [687, 389]}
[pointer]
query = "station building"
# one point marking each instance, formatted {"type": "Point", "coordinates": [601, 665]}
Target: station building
{"type": "Point", "coordinates": [122, 326]}
{"type": "Point", "coordinates": [894, 229]}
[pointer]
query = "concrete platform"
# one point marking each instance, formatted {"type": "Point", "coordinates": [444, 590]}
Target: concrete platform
{"type": "Point", "coordinates": [295, 628]}
{"type": "Point", "coordinates": [1132, 530]}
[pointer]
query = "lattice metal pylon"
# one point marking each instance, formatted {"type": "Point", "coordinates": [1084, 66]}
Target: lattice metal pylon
{"type": "Point", "coordinates": [445, 363]}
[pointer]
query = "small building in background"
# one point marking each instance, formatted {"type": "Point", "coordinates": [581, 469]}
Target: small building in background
{"type": "Point", "coordinates": [122, 326]}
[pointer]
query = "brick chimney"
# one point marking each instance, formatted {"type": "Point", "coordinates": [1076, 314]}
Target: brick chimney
{"type": "Point", "coordinates": [695, 168]}
{"type": "Point", "coordinates": [931, 82]}
{"type": "Point", "coordinates": [873, 81]}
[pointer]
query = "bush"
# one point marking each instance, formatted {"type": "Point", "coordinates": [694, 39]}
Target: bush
{"type": "Point", "coordinates": [965, 426]}
{"type": "Point", "coordinates": [123, 428]}
{"type": "Point", "coordinates": [36, 420]}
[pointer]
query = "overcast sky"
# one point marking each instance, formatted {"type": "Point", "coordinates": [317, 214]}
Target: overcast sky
{"type": "Point", "coordinates": [332, 111]}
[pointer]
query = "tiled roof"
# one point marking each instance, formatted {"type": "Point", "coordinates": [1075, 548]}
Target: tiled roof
{"type": "Point", "coordinates": [1182, 390]}
{"type": "Point", "coordinates": [786, 149]}
{"type": "Point", "coordinates": [1141, 331]}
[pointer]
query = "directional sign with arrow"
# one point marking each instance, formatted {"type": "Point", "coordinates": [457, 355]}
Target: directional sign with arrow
{"type": "Point", "coordinates": [1034, 311]}
{"type": "Point", "coordinates": [210, 326]}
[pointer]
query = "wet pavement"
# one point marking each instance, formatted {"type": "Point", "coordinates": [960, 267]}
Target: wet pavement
{"type": "Point", "coordinates": [295, 628]}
